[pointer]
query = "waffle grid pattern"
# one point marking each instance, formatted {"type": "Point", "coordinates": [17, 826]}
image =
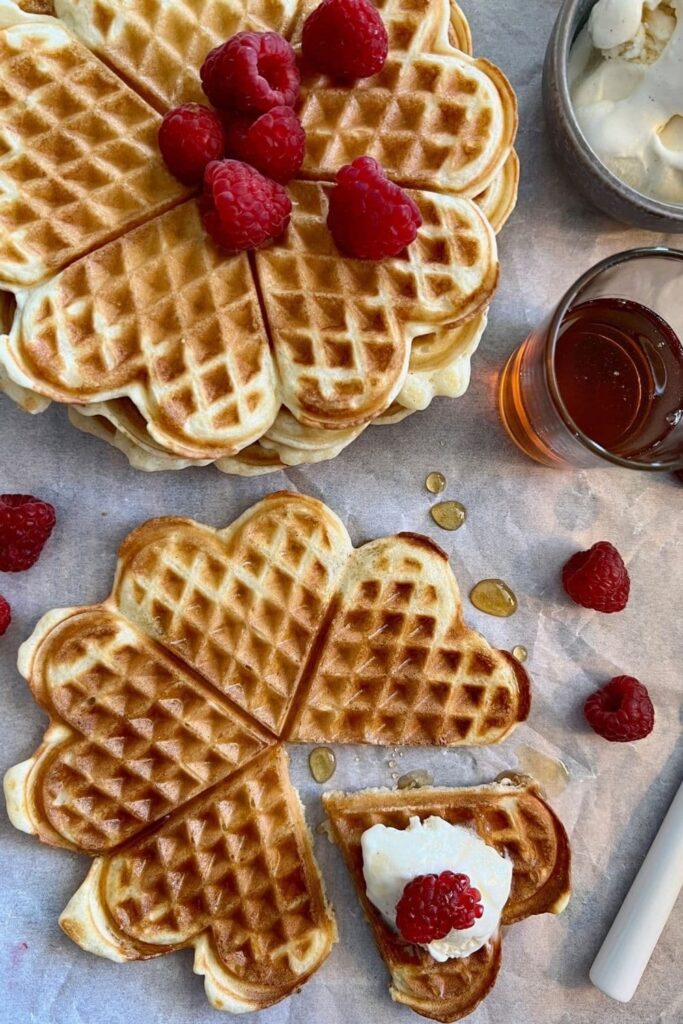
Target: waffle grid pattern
{"type": "Point", "coordinates": [79, 160]}
{"type": "Point", "coordinates": [246, 622]}
{"type": "Point", "coordinates": [160, 315]}
{"type": "Point", "coordinates": [330, 380]}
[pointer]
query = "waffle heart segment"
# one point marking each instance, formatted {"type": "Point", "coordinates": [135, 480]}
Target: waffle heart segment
{"type": "Point", "coordinates": [513, 819]}
{"type": "Point", "coordinates": [241, 606]}
{"type": "Point", "coordinates": [79, 161]}
{"type": "Point", "coordinates": [434, 117]}
{"type": "Point", "coordinates": [396, 664]}
{"type": "Point", "coordinates": [161, 317]}
{"type": "Point", "coordinates": [162, 47]}
{"type": "Point", "coordinates": [233, 876]}
{"type": "Point", "coordinates": [133, 736]}
{"type": "Point", "coordinates": [342, 328]}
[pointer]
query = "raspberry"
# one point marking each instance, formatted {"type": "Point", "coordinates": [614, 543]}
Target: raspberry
{"type": "Point", "coordinates": [431, 905]}
{"type": "Point", "coordinates": [252, 72]}
{"type": "Point", "coordinates": [597, 578]}
{"type": "Point", "coordinates": [25, 525]}
{"type": "Point", "coordinates": [369, 216]}
{"type": "Point", "coordinates": [621, 710]}
{"type": "Point", "coordinates": [345, 38]}
{"type": "Point", "coordinates": [5, 615]}
{"type": "Point", "coordinates": [189, 138]}
{"type": "Point", "coordinates": [274, 143]}
{"type": "Point", "coordinates": [240, 208]}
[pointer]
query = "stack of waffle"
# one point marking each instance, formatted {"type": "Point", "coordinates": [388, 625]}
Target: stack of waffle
{"type": "Point", "coordinates": [169, 704]}
{"type": "Point", "coordinates": [117, 304]}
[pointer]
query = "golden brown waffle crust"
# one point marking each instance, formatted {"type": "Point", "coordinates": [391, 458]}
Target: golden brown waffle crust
{"type": "Point", "coordinates": [510, 816]}
{"type": "Point", "coordinates": [96, 914]}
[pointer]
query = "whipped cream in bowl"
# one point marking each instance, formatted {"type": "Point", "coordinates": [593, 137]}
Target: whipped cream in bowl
{"type": "Point", "coordinates": [626, 82]}
{"type": "Point", "coordinates": [393, 857]}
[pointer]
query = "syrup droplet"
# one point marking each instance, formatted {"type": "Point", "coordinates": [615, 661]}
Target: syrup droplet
{"type": "Point", "coordinates": [520, 653]}
{"type": "Point", "coordinates": [322, 763]}
{"type": "Point", "coordinates": [435, 483]}
{"type": "Point", "coordinates": [415, 779]}
{"type": "Point", "coordinates": [552, 773]}
{"type": "Point", "coordinates": [494, 597]}
{"type": "Point", "coordinates": [516, 778]}
{"type": "Point", "coordinates": [449, 515]}
{"type": "Point", "coordinates": [325, 829]}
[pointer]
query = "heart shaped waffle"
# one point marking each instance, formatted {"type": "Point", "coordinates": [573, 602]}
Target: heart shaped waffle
{"type": "Point", "coordinates": [168, 704]}
{"type": "Point", "coordinates": [509, 816]}
{"type": "Point", "coordinates": [233, 876]}
{"type": "Point", "coordinates": [79, 161]}
{"type": "Point", "coordinates": [178, 355]}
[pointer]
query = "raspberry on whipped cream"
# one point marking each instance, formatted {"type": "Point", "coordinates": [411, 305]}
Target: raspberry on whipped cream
{"type": "Point", "coordinates": [393, 857]}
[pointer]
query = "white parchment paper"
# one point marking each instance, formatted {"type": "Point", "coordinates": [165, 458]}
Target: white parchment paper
{"type": "Point", "coordinates": [524, 521]}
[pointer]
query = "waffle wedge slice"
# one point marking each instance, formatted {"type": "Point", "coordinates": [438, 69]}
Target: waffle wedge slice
{"type": "Point", "coordinates": [395, 663]}
{"type": "Point", "coordinates": [232, 874]}
{"type": "Point", "coordinates": [133, 735]}
{"type": "Point", "coordinates": [160, 317]}
{"type": "Point", "coordinates": [515, 820]}
{"type": "Point", "coordinates": [159, 46]}
{"type": "Point", "coordinates": [342, 328]}
{"type": "Point", "coordinates": [434, 117]}
{"type": "Point", "coordinates": [79, 161]}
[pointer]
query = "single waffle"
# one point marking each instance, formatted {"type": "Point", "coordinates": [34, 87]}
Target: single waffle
{"type": "Point", "coordinates": [79, 161]}
{"type": "Point", "coordinates": [509, 816]}
{"type": "Point", "coordinates": [231, 874]}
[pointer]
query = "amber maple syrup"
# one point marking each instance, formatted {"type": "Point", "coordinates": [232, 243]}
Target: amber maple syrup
{"type": "Point", "coordinates": [619, 370]}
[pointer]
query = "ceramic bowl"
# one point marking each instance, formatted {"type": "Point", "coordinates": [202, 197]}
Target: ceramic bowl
{"type": "Point", "coordinates": [586, 170]}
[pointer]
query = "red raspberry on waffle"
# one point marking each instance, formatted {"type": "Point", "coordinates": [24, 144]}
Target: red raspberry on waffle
{"type": "Point", "coordinates": [240, 208]}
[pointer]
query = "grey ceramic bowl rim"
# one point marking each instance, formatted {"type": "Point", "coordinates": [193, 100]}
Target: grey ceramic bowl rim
{"type": "Point", "coordinates": [560, 43]}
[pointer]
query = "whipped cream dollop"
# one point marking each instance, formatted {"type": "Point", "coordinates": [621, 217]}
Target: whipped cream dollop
{"type": "Point", "coordinates": [393, 857]}
{"type": "Point", "coordinates": [626, 81]}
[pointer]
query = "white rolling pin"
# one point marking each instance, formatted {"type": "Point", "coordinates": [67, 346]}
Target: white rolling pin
{"type": "Point", "coordinates": [625, 953]}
